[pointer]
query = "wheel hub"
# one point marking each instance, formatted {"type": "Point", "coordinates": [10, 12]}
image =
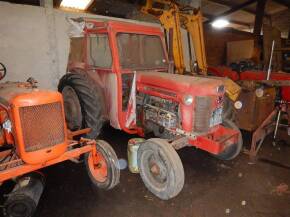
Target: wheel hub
{"type": "Point", "coordinates": [72, 107]}
{"type": "Point", "coordinates": [157, 169]}
{"type": "Point", "coordinates": [18, 209]}
{"type": "Point", "coordinates": [98, 166]}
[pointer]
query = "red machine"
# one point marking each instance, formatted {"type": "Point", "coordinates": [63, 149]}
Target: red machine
{"type": "Point", "coordinates": [118, 72]}
{"type": "Point", "coordinates": [254, 76]}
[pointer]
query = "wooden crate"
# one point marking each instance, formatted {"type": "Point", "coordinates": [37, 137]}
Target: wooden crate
{"type": "Point", "coordinates": [255, 109]}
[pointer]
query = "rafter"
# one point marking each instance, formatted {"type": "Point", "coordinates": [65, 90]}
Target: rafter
{"type": "Point", "coordinates": [232, 10]}
{"type": "Point", "coordinates": [232, 4]}
{"type": "Point", "coordinates": [210, 17]}
{"type": "Point", "coordinates": [283, 2]}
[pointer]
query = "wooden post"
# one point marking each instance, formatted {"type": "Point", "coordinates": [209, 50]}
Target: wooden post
{"type": "Point", "coordinates": [260, 12]}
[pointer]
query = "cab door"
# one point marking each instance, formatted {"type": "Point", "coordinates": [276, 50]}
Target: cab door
{"type": "Point", "coordinates": [100, 68]}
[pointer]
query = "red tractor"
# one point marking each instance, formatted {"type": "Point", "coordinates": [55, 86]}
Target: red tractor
{"type": "Point", "coordinates": [34, 135]}
{"type": "Point", "coordinates": [118, 72]}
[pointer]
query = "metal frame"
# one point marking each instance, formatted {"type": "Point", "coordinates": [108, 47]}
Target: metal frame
{"type": "Point", "coordinates": [17, 167]}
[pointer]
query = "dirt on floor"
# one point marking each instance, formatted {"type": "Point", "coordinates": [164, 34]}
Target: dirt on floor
{"type": "Point", "coordinates": [213, 188]}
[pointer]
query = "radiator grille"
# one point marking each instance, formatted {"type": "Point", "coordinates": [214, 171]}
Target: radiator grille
{"type": "Point", "coordinates": [42, 126]}
{"type": "Point", "coordinates": [202, 113]}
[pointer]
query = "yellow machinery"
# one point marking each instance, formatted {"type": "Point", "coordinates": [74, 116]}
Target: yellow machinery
{"type": "Point", "coordinates": [173, 16]}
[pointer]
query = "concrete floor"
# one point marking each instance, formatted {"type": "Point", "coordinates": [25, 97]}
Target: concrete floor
{"type": "Point", "coordinates": [211, 189]}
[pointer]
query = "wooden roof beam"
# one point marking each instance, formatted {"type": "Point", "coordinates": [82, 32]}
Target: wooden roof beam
{"type": "Point", "coordinates": [285, 3]}
{"type": "Point", "coordinates": [232, 4]}
{"type": "Point", "coordinates": [209, 17]}
{"type": "Point", "coordinates": [232, 10]}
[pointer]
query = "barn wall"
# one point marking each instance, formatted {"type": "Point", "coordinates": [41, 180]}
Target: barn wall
{"type": "Point", "coordinates": [216, 43]}
{"type": "Point", "coordinates": [281, 21]}
{"type": "Point", "coordinates": [34, 42]}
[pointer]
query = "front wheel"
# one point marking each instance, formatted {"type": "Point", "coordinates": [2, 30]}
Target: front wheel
{"type": "Point", "coordinates": [103, 167]}
{"type": "Point", "coordinates": [233, 150]}
{"type": "Point", "coordinates": [160, 168]}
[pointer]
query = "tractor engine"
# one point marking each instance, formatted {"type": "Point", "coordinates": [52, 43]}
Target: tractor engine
{"type": "Point", "coordinates": [157, 114]}
{"type": "Point", "coordinates": [163, 116]}
{"type": "Point", "coordinates": [32, 122]}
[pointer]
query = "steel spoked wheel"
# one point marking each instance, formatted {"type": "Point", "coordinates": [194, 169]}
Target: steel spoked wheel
{"type": "Point", "coordinates": [233, 150]}
{"type": "Point", "coordinates": [160, 168]}
{"type": "Point", "coordinates": [102, 166]}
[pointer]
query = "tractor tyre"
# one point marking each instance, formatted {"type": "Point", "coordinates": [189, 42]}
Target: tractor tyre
{"type": "Point", "coordinates": [232, 151]}
{"type": "Point", "coordinates": [228, 109]}
{"type": "Point", "coordinates": [160, 168]}
{"type": "Point", "coordinates": [19, 206]}
{"type": "Point", "coordinates": [24, 198]}
{"type": "Point", "coordinates": [103, 167]}
{"type": "Point", "coordinates": [83, 103]}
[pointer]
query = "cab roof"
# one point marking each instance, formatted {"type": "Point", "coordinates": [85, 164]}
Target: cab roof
{"type": "Point", "coordinates": [122, 26]}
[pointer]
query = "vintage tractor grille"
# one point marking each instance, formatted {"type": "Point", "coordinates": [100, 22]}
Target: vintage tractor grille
{"type": "Point", "coordinates": [42, 126]}
{"type": "Point", "coordinates": [202, 114]}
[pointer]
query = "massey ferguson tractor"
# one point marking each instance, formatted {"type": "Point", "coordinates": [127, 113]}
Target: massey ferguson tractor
{"type": "Point", "coordinates": [119, 72]}
{"type": "Point", "coordinates": [34, 135]}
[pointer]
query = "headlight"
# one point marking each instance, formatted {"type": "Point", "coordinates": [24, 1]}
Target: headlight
{"type": "Point", "coordinates": [259, 92]}
{"type": "Point", "coordinates": [7, 125]}
{"type": "Point", "coordinates": [220, 89]}
{"type": "Point", "coordinates": [187, 99]}
{"type": "Point", "coordinates": [238, 104]}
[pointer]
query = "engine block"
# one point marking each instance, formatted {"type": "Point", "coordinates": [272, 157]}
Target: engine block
{"type": "Point", "coordinates": [159, 111]}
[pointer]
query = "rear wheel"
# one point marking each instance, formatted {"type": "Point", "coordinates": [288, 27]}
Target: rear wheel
{"type": "Point", "coordinates": [82, 103]}
{"type": "Point", "coordinates": [160, 168]}
{"type": "Point", "coordinates": [103, 167]}
{"type": "Point", "coordinates": [233, 150]}
{"type": "Point", "coordinates": [20, 206]}
{"type": "Point", "coordinates": [24, 198]}
{"type": "Point", "coordinates": [227, 109]}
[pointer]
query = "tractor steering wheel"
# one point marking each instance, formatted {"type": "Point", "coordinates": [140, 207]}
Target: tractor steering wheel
{"type": "Point", "coordinates": [2, 71]}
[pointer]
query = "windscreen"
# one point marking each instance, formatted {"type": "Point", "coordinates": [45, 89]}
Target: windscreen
{"type": "Point", "coordinates": [139, 51]}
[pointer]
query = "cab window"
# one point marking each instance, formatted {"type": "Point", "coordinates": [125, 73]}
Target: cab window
{"type": "Point", "coordinates": [99, 52]}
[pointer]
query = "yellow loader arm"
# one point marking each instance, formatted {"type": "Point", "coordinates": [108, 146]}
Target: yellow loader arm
{"type": "Point", "coordinates": [193, 24]}
{"type": "Point", "coordinates": [172, 18]}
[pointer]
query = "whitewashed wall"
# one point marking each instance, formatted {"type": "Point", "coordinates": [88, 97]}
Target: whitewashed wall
{"type": "Point", "coordinates": [34, 42]}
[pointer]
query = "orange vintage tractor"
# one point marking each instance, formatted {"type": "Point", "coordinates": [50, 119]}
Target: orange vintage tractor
{"type": "Point", "coordinates": [34, 135]}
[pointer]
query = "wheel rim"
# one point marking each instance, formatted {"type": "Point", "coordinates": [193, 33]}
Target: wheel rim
{"type": "Point", "coordinates": [155, 168]}
{"type": "Point", "coordinates": [98, 167]}
{"type": "Point", "coordinates": [72, 107]}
